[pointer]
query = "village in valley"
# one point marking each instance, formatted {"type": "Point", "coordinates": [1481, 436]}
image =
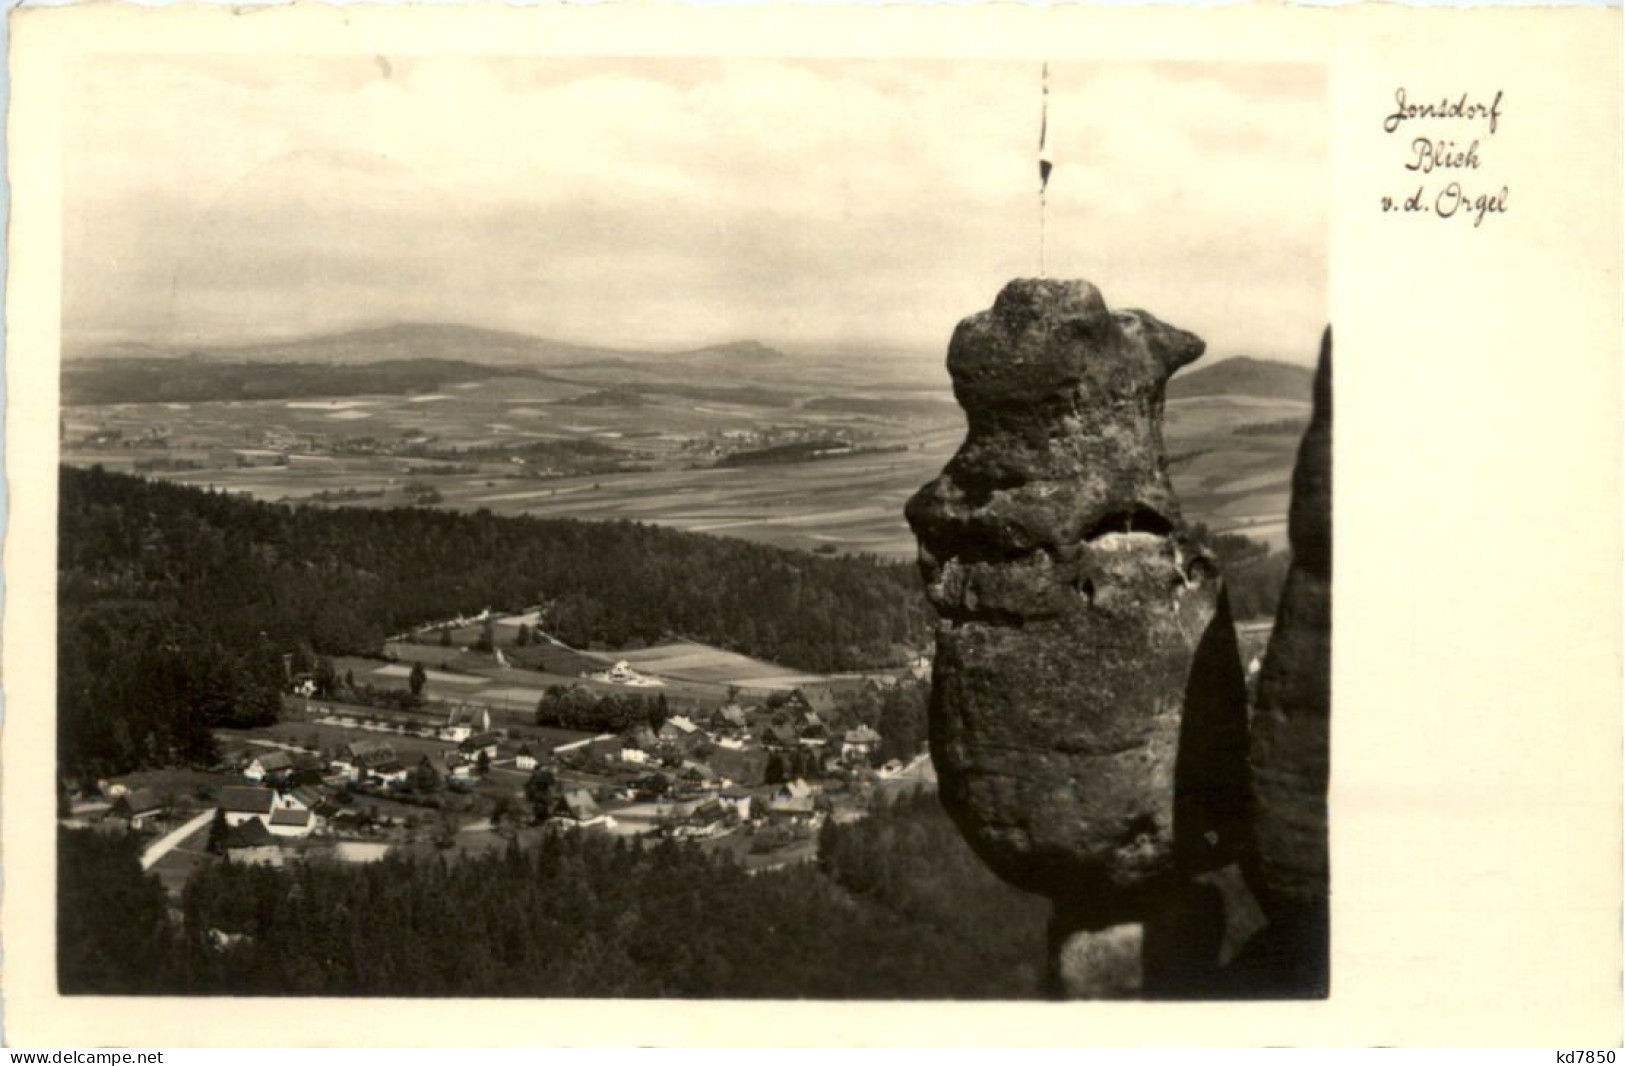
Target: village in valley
{"type": "Point", "coordinates": [477, 733]}
{"type": "Point", "coordinates": [437, 615]}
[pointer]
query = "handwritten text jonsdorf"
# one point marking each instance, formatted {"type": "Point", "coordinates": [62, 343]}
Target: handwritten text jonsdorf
{"type": "Point", "coordinates": [1447, 169]}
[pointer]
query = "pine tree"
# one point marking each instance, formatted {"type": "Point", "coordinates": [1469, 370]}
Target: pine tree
{"type": "Point", "coordinates": [540, 791]}
{"type": "Point", "coordinates": [218, 830]}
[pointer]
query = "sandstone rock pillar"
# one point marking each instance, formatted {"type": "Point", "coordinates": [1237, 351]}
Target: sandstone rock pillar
{"type": "Point", "coordinates": [1088, 714]}
{"type": "Point", "coordinates": [1290, 737]}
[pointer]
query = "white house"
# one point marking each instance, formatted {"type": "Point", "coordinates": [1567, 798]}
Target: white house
{"type": "Point", "coordinates": [359, 758]}
{"type": "Point", "coordinates": [269, 764]}
{"type": "Point", "coordinates": [389, 773]}
{"type": "Point", "coordinates": [292, 822]}
{"type": "Point", "coordinates": [464, 721]}
{"type": "Point", "coordinates": [294, 814]}
{"type": "Point", "coordinates": [859, 743]}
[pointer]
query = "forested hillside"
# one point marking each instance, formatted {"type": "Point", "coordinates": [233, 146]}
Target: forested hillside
{"type": "Point", "coordinates": [176, 603]}
{"type": "Point", "coordinates": [898, 908]}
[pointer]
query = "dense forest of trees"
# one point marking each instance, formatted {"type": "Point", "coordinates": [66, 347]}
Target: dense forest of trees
{"type": "Point", "coordinates": [176, 602]}
{"type": "Point", "coordinates": [897, 906]}
{"type": "Point", "coordinates": [577, 707]}
{"type": "Point", "coordinates": [142, 683]}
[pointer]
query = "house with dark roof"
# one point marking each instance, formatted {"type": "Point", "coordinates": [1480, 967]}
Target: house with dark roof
{"type": "Point", "coordinates": [306, 797]}
{"type": "Point", "coordinates": [779, 736]}
{"type": "Point", "coordinates": [268, 764]}
{"type": "Point", "coordinates": [253, 844]}
{"type": "Point", "coordinates": [251, 834]}
{"type": "Point", "coordinates": [244, 804]}
{"type": "Point", "coordinates": [577, 807]}
{"type": "Point", "coordinates": [708, 818]}
{"type": "Point", "coordinates": [392, 772]}
{"type": "Point", "coordinates": [730, 719]}
{"type": "Point", "coordinates": [139, 807]}
{"type": "Point", "coordinates": [358, 757]}
{"type": "Point", "coordinates": [294, 813]}
{"type": "Point", "coordinates": [814, 735]}
{"type": "Point", "coordinates": [292, 822]}
{"type": "Point", "coordinates": [487, 743]}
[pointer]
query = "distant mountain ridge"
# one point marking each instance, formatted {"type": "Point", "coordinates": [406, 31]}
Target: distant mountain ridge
{"type": "Point", "coordinates": [135, 379]}
{"type": "Point", "coordinates": [452, 351]}
{"type": "Point", "coordinates": [404, 341]}
{"type": "Point", "coordinates": [1245, 376]}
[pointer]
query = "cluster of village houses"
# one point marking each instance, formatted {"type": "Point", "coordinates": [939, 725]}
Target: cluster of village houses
{"type": "Point", "coordinates": [706, 776]}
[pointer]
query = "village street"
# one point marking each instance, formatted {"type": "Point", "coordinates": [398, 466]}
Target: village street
{"type": "Point", "coordinates": [169, 841]}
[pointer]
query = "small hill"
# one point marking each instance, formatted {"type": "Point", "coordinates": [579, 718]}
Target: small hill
{"type": "Point", "coordinates": [1244, 376]}
{"type": "Point", "coordinates": [741, 351]}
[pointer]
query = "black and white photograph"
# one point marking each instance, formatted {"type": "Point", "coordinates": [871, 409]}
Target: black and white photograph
{"type": "Point", "coordinates": [713, 528]}
{"type": "Point", "coordinates": [630, 525]}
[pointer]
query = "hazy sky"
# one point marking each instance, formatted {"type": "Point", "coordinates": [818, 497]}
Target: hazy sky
{"type": "Point", "coordinates": [675, 203]}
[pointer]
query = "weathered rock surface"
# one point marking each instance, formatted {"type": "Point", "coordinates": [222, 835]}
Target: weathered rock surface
{"type": "Point", "coordinates": [1290, 740]}
{"type": "Point", "coordinates": [1088, 718]}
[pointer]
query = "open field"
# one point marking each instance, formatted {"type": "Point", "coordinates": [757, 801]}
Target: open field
{"type": "Point", "coordinates": [650, 455]}
{"type": "Point", "coordinates": [700, 662]}
{"type": "Point", "coordinates": [178, 781]}
{"type": "Point", "coordinates": [693, 676]}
